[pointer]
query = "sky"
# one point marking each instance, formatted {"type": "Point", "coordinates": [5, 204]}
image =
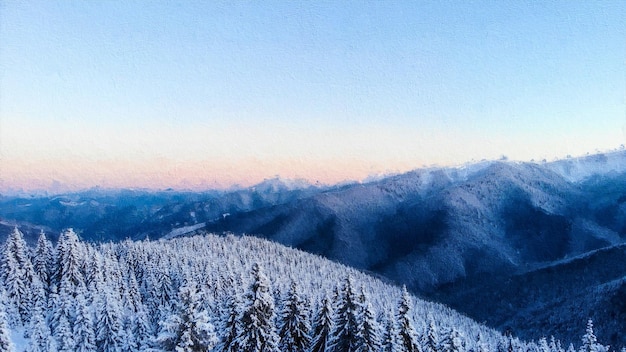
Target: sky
{"type": "Point", "coordinates": [210, 94]}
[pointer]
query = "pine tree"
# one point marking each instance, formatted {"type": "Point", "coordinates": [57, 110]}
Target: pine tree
{"type": "Point", "coordinates": [40, 335]}
{"type": "Point", "coordinates": [368, 333]}
{"type": "Point", "coordinates": [84, 332]}
{"type": "Point", "coordinates": [64, 336]}
{"type": "Point", "coordinates": [408, 336]}
{"type": "Point", "coordinates": [431, 343]}
{"type": "Point", "coordinates": [391, 342]}
{"type": "Point", "coordinates": [5, 333]}
{"type": "Point", "coordinates": [38, 330]}
{"type": "Point", "coordinates": [259, 334]}
{"type": "Point", "coordinates": [189, 327]}
{"type": "Point", "coordinates": [480, 344]}
{"type": "Point", "coordinates": [543, 346]}
{"type": "Point", "coordinates": [590, 342]}
{"type": "Point", "coordinates": [129, 340]}
{"type": "Point", "coordinates": [43, 260]}
{"type": "Point", "coordinates": [231, 324]}
{"type": "Point", "coordinates": [344, 335]}
{"type": "Point", "coordinates": [16, 270]}
{"type": "Point", "coordinates": [452, 341]}
{"type": "Point", "coordinates": [69, 277]}
{"type": "Point", "coordinates": [141, 329]}
{"type": "Point", "coordinates": [323, 326]}
{"type": "Point", "coordinates": [108, 324]}
{"type": "Point", "coordinates": [62, 307]}
{"type": "Point", "coordinates": [295, 326]}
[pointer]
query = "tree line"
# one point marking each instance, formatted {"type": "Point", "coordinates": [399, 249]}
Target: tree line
{"type": "Point", "coordinates": [221, 293]}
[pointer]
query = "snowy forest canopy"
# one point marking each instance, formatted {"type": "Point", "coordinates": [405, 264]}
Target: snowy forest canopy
{"type": "Point", "coordinates": [221, 293]}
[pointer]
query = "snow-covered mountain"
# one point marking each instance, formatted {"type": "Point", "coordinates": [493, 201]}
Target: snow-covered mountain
{"type": "Point", "coordinates": [433, 228]}
{"type": "Point", "coordinates": [216, 293]}
{"type": "Point", "coordinates": [105, 215]}
{"type": "Point", "coordinates": [455, 235]}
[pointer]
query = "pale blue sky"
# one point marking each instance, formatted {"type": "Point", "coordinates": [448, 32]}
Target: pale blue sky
{"type": "Point", "coordinates": [203, 94]}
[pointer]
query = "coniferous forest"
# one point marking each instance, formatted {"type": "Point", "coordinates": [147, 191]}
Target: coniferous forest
{"type": "Point", "coordinates": [222, 293]}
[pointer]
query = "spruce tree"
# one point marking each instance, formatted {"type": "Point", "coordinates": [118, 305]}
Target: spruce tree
{"type": "Point", "coordinates": [590, 342]}
{"type": "Point", "coordinates": [231, 325]}
{"type": "Point", "coordinates": [368, 334]}
{"type": "Point", "coordinates": [5, 334]}
{"type": "Point", "coordinates": [64, 335]}
{"type": "Point", "coordinates": [323, 327]}
{"type": "Point", "coordinates": [84, 332]}
{"type": "Point", "coordinates": [41, 339]}
{"type": "Point", "coordinates": [16, 270]}
{"type": "Point", "coordinates": [452, 341]}
{"type": "Point", "coordinates": [259, 333]}
{"type": "Point", "coordinates": [543, 346]}
{"type": "Point", "coordinates": [40, 335]}
{"type": "Point", "coordinates": [481, 346]}
{"type": "Point", "coordinates": [43, 260]}
{"type": "Point", "coordinates": [188, 328]}
{"type": "Point", "coordinates": [344, 335]}
{"type": "Point", "coordinates": [391, 337]}
{"type": "Point", "coordinates": [295, 325]}
{"type": "Point", "coordinates": [408, 336]}
{"type": "Point", "coordinates": [431, 340]}
{"type": "Point", "coordinates": [69, 276]}
{"type": "Point", "coordinates": [108, 324]}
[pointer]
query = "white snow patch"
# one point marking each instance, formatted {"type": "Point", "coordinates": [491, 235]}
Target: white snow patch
{"type": "Point", "coordinates": [18, 339]}
{"type": "Point", "coordinates": [184, 230]}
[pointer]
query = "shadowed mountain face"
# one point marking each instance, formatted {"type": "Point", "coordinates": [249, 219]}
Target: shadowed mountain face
{"type": "Point", "coordinates": [481, 226]}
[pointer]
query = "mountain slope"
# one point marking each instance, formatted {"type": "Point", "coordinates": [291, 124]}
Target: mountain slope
{"type": "Point", "coordinates": [112, 215]}
{"type": "Point", "coordinates": [433, 228]}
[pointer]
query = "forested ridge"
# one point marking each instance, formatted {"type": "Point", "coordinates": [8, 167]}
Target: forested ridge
{"type": "Point", "coordinates": [221, 293]}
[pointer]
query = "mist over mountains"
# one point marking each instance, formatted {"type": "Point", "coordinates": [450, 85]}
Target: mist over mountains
{"type": "Point", "coordinates": [526, 247]}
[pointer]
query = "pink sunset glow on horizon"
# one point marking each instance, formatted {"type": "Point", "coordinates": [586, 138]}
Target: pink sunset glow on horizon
{"type": "Point", "coordinates": [205, 95]}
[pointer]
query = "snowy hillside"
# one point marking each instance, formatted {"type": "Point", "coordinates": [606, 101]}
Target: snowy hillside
{"type": "Point", "coordinates": [210, 293]}
{"type": "Point", "coordinates": [579, 169]}
{"type": "Point", "coordinates": [433, 228]}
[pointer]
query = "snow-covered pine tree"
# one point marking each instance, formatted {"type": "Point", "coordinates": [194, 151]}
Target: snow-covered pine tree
{"type": "Point", "coordinates": [431, 338]}
{"type": "Point", "coordinates": [590, 342]}
{"type": "Point", "coordinates": [40, 337]}
{"type": "Point", "coordinates": [141, 329]}
{"type": "Point", "coordinates": [391, 337]}
{"type": "Point", "coordinates": [16, 270]}
{"type": "Point", "coordinates": [5, 333]}
{"type": "Point", "coordinates": [259, 333]}
{"type": "Point", "coordinates": [481, 345]}
{"type": "Point", "coordinates": [542, 345]}
{"type": "Point", "coordinates": [407, 333]}
{"type": "Point", "coordinates": [43, 260]}
{"type": "Point", "coordinates": [322, 326]}
{"type": "Point", "coordinates": [555, 345]}
{"type": "Point", "coordinates": [230, 324]}
{"type": "Point", "coordinates": [189, 327]}
{"type": "Point", "coordinates": [368, 333]}
{"type": "Point", "coordinates": [452, 341]}
{"type": "Point", "coordinates": [344, 335]}
{"type": "Point", "coordinates": [108, 324]}
{"type": "Point", "coordinates": [129, 340]}
{"type": "Point", "coordinates": [294, 319]}
{"type": "Point", "coordinates": [38, 304]}
{"type": "Point", "coordinates": [64, 336]}
{"type": "Point", "coordinates": [84, 332]}
{"type": "Point", "coordinates": [69, 260]}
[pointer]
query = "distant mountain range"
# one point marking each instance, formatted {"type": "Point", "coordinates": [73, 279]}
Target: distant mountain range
{"type": "Point", "coordinates": [112, 215]}
{"type": "Point", "coordinates": [522, 246]}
